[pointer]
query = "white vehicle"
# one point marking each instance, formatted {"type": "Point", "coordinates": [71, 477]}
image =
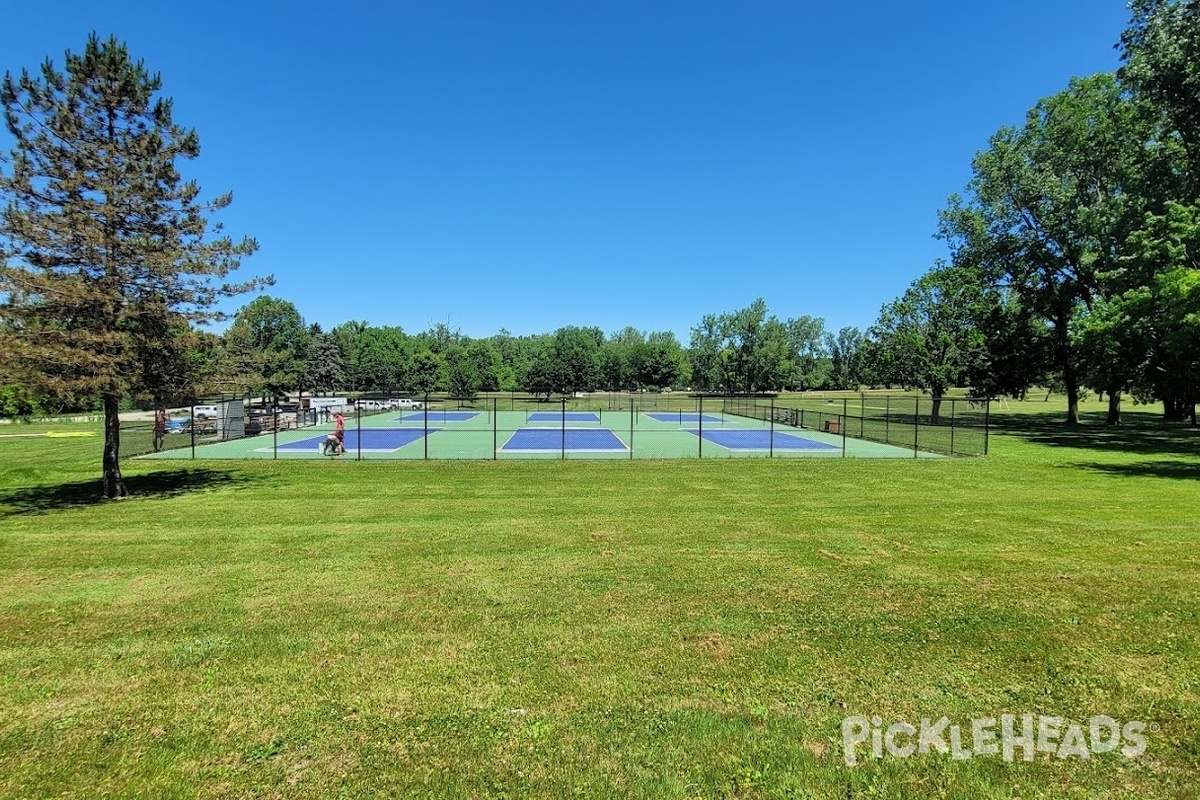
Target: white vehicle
{"type": "Point", "coordinates": [409, 404]}
{"type": "Point", "coordinates": [205, 412]}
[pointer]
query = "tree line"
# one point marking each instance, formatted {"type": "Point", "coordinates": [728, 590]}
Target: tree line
{"type": "Point", "coordinates": [270, 349]}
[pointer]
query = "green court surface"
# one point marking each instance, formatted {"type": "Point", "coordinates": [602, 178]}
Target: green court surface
{"type": "Point", "coordinates": [548, 434]}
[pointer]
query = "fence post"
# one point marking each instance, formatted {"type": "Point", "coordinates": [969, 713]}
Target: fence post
{"type": "Point", "coordinates": [916, 426]}
{"type": "Point", "coordinates": [771, 446]}
{"type": "Point", "coordinates": [952, 404]}
{"type": "Point", "coordinates": [425, 418]}
{"type": "Point", "coordinates": [843, 425]}
{"type": "Point", "coordinates": [887, 420]}
{"type": "Point", "coordinates": [987, 428]}
{"type": "Point", "coordinates": [192, 426]}
{"type": "Point", "coordinates": [700, 422]}
{"type": "Point", "coordinates": [357, 430]}
{"type": "Point", "coordinates": [631, 431]}
{"type": "Point", "coordinates": [495, 435]}
{"type": "Point", "coordinates": [275, 432]}
{"type": "Point", "coordinates": [564, 428]}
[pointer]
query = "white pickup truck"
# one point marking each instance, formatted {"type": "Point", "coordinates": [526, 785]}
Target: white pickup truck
{"type": "Point", "coordinates": [206, 412]}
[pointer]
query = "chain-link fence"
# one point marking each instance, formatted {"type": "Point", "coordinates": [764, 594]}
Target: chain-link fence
{"type": "Point", "coordinates": [946, 426]}
{"type": "Point", "coordinates": [596, 426]}
{"type": "Point", "coordinates": [201, 421]}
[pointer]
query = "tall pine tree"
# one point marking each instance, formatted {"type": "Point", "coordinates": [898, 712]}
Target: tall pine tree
{"type": "Point", "coordinates": [107, 255]}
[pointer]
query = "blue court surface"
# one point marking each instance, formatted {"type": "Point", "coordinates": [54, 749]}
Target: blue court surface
{"type": "Point", "coordinates": [439, 416]}
{"type": "Point", "coordinates": [682, 417]}
{"type": "Point", "coordinates": [550, 440]}
{"type": "Point", "coordinates": [557, 416]}
{"type": "Point", "coordinates": [374, 440]}
{"type": "Point", "coordinates": [760, 440]}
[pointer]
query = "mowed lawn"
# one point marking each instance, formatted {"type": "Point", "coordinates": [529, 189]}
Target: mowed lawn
{"type": "Point", "coordinates": [597, 629]}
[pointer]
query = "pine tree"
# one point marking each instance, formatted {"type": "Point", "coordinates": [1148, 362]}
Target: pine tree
{"type": "Point", "coordinates": [107, 256]}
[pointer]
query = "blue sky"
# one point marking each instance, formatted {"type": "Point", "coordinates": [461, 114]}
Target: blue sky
{"type": "Point", "coordinates": [530, 164]}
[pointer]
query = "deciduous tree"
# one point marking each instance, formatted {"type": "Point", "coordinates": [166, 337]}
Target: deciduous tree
{"type": "Point", "coordinates": [268, 341]}
{"type": "Point", "coordinates": [928, 338]}
{"type": "Point", "coordinates": [1049, 205]}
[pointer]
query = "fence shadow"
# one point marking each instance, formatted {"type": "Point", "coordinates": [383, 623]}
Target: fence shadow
{"type": "Point", "coordinates": [161, 484]}
{"type": "Point", "coordinates": [1142, 433]}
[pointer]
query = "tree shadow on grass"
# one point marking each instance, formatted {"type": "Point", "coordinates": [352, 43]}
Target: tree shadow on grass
{"type": "Point", "coordinates": [1178, 470]}
{"type": "Point", "coordinates": [1142, 433]}
{"type": "Point", "coordinates": [156, 485]}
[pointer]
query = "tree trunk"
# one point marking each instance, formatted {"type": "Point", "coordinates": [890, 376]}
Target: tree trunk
{"type": "Point", "coordinates": [113, 485]}
{"type": "Point", "coordinates": [1173, 410]}
{"type": "Point", "coordinates": [1070, 379]}
{"type": "Point", "coordinates": [937, 408]}
{"type": "Point", "coordinates": [1072, 396]}
{"type": "Point", "coordinates": [1114, 407]}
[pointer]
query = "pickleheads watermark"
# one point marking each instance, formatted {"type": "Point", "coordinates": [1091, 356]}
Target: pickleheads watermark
{"type": "Point", "coordinates": [1006, 737]}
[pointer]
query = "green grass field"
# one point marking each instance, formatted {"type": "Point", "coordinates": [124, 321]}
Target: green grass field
{"type": "Point", "coordinates": [553, 629]}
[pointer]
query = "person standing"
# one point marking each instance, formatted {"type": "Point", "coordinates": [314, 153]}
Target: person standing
{"type": "Point", "coordinates": [339, 430]}
{"type": "Point", "coordinates": [160, 429]}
